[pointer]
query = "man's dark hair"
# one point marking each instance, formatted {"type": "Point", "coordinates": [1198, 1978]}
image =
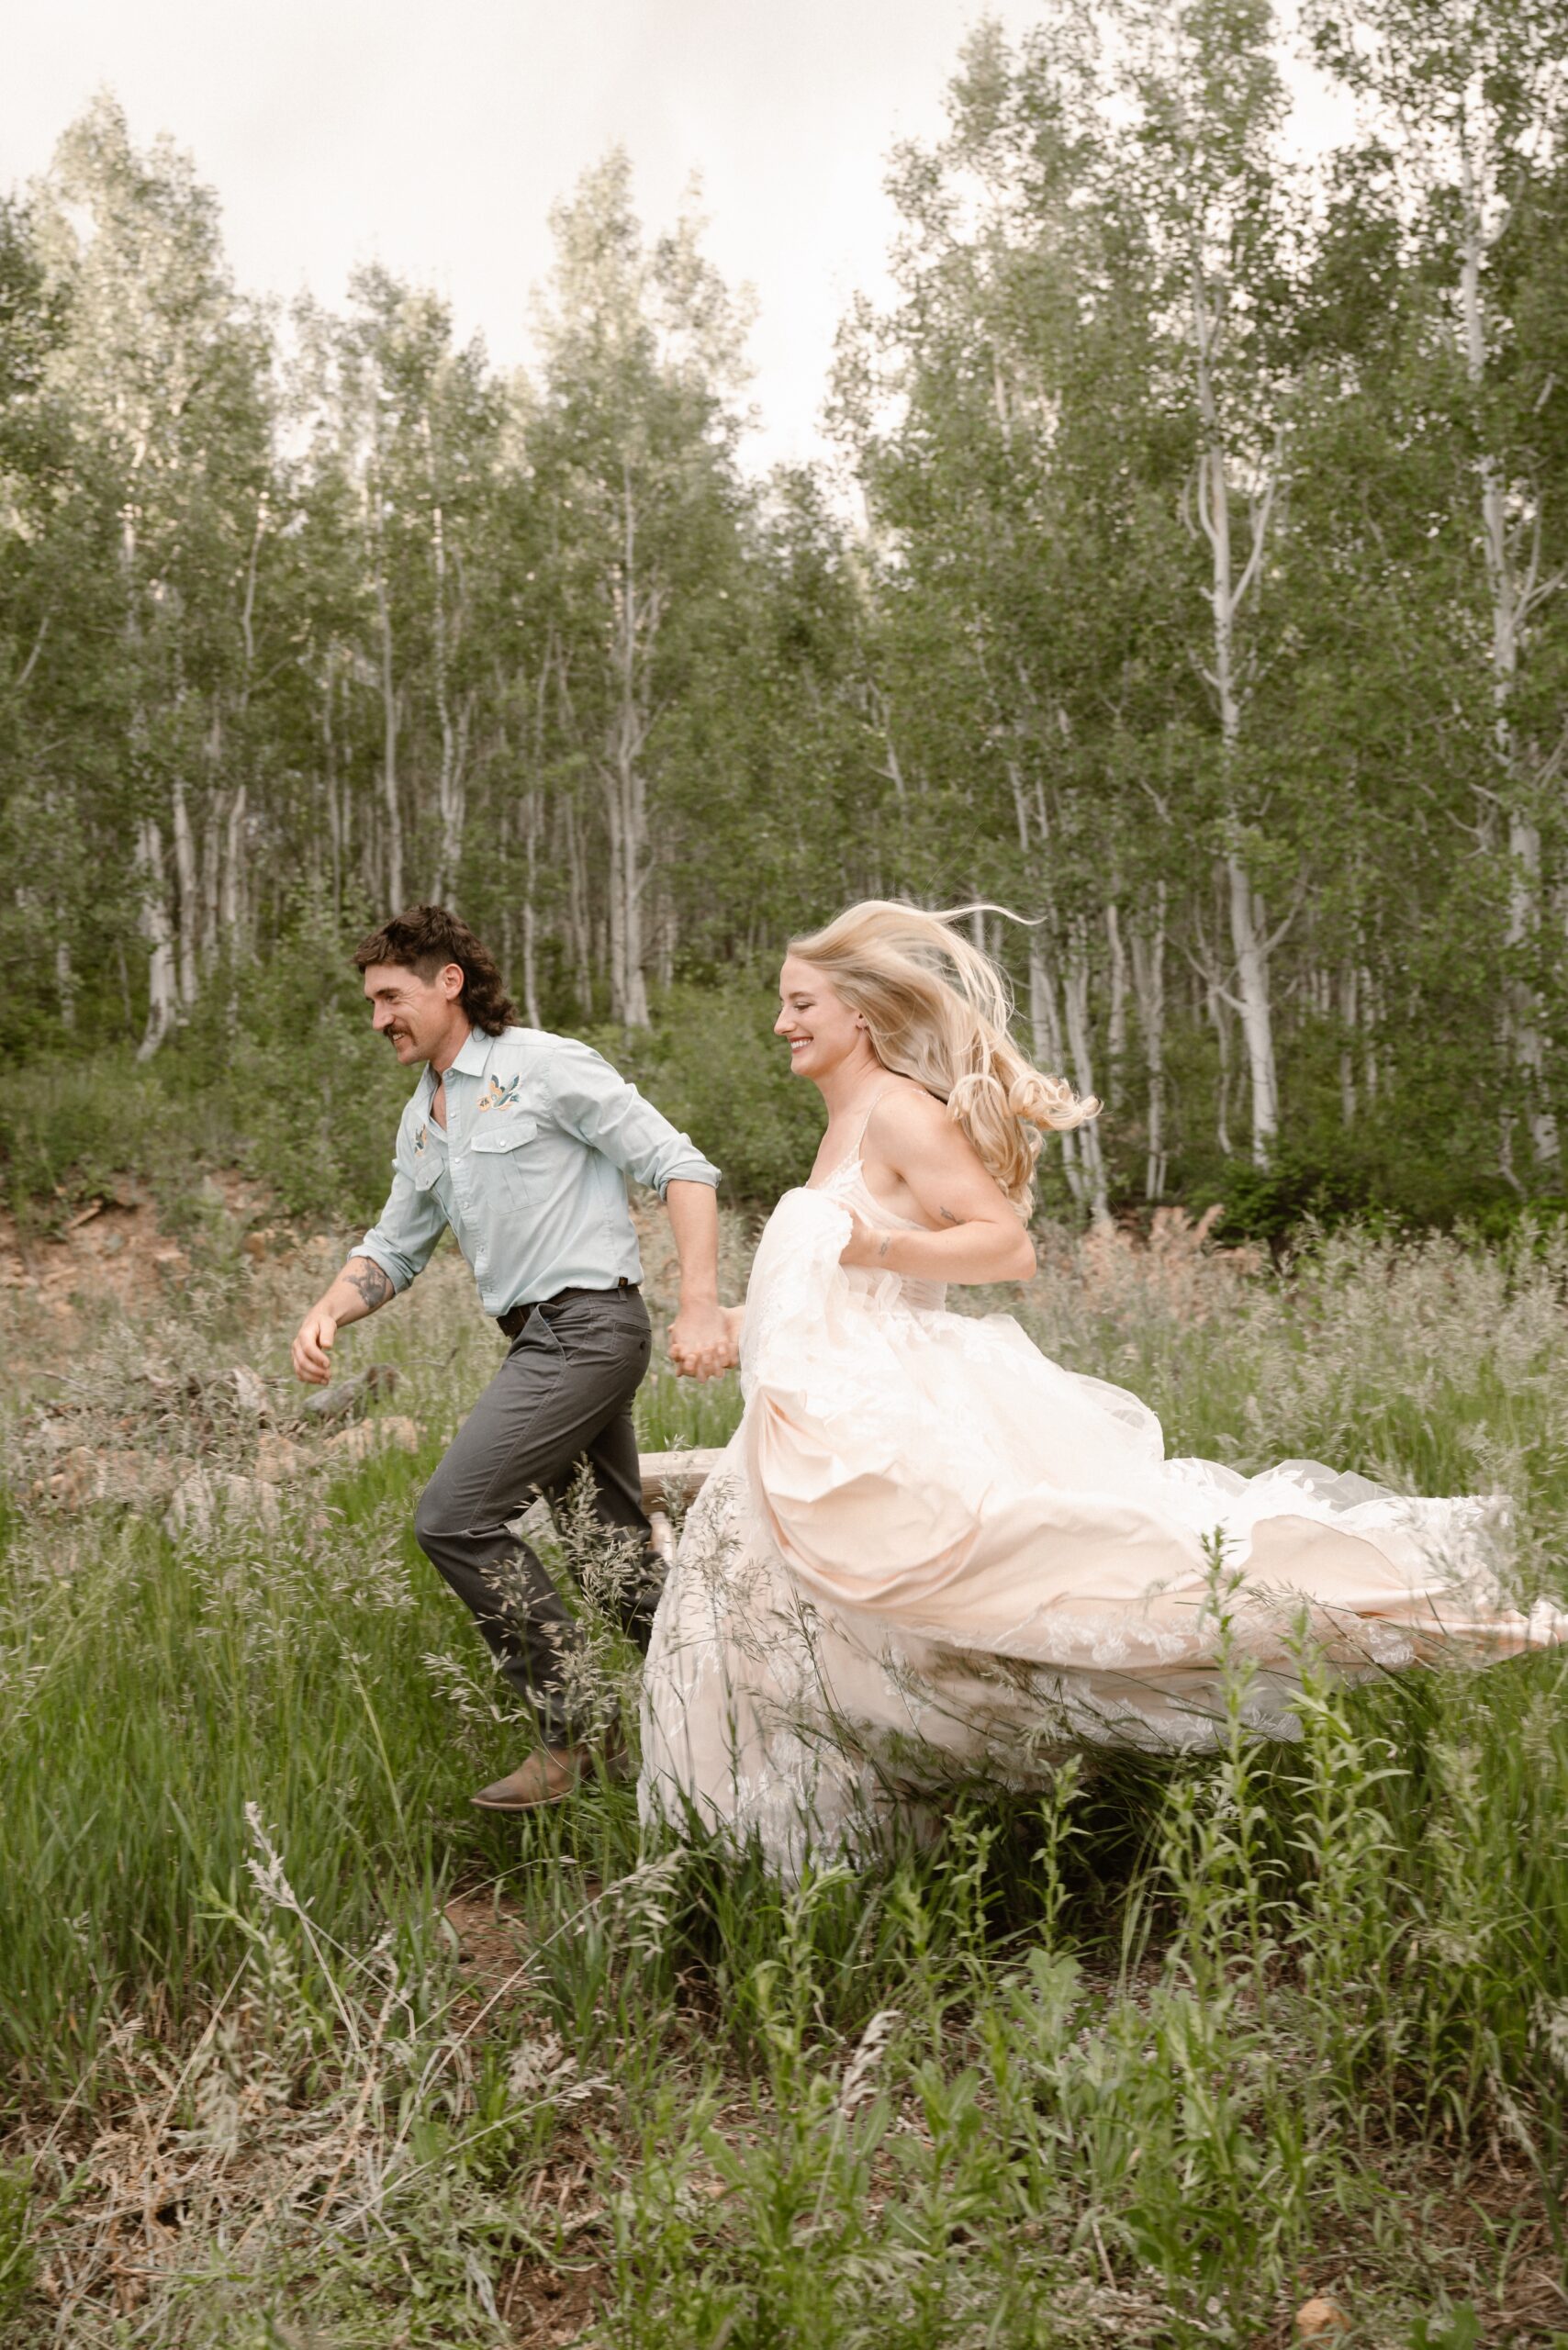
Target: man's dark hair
{"type": "Point", "coordinates": [425, 939]}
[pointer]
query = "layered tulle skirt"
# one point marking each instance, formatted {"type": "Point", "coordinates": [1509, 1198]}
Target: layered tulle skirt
{"type": "Point", "coordinates": [930, 1551]}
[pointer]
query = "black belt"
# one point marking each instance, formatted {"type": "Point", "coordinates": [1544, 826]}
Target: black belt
{"type": "Point", "coordinates": [510, 1322]}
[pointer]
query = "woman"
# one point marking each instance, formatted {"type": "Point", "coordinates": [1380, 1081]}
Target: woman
{"type": "Point", "coordinates": [930, 1550]}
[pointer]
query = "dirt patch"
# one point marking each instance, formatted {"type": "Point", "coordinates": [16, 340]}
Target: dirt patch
{"type": "Point", "coordinates": [548, 2306]}
{"type": "Point", "coordinates": [110, 1248]}
{"type": "Point", "coordinates": [114, 1248]}
{"type": "Point", "coordinates": [113, 1251]}
{"type": "Point", "coordinates": [491, 1942]}
{"type": "Point", "coordinates": [543, 2303]}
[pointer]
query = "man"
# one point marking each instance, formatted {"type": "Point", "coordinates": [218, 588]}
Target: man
{"type": "Point", "coordinates": [519, 1140]}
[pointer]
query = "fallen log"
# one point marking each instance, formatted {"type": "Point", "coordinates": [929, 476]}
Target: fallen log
{"type": "Point", "coordinates": [678, 1477]}
{"type": "Point", "coordinates": [348, 1399]}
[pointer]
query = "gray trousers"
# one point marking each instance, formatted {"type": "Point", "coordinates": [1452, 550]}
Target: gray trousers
{"type": "Point", "coordinates": [560, 1400]}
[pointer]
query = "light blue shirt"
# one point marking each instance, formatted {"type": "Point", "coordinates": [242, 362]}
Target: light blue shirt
{"type": "Point", "coordinates": [530, 1172]}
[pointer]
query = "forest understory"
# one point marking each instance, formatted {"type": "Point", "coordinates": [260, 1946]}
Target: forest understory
{"type": "Point", "coordinates": [300, 2051]}
{"type": "Point", "coordinates": [1184, 574]}
{"type": "Point", "coordinates": [1181, 571]}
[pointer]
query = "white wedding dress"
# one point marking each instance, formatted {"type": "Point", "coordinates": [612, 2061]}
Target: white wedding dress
{"type": "Point", "coordinates": [930, 1555]}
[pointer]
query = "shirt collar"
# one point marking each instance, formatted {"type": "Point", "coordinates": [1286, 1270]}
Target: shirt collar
{"type": "Point", "coordinates": [470, 1061]}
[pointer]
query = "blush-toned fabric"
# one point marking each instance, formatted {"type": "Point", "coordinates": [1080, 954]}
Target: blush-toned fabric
{"type": "Point", "coordinates": [931, 1553]}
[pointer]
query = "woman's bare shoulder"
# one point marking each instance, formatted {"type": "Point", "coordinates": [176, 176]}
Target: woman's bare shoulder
{"type": "Point", "coordinates": [906, 1112]}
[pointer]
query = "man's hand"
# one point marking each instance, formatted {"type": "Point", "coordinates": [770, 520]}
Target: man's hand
{"type": "Point", "coordinates": [702, 1342]}
{"type": "Point", "coordinates": [312, 1346]}
{"type": "Point", "coordinates": [360, 1289]}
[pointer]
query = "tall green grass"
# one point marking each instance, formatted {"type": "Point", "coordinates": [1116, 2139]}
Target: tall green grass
{"type": "Point", "coordinates": [1149, 2058]}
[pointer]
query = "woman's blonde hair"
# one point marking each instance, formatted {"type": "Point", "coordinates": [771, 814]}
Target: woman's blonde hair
{"type": "Point", "coordinates": [938, 1010]}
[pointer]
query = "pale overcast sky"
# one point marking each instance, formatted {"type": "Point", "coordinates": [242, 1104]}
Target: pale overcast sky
{"type": "Point", "coordinates": [435, 139]}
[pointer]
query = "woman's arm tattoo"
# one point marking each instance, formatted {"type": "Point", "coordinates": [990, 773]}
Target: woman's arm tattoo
{"type": "Point", "coordinates": [363, 1274]}
{"type": "Point", "coordinates": [948, 1217]}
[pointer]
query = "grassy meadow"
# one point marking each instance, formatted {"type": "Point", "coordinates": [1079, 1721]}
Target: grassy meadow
{"type": "Point", "coordinates": [300, 2053]}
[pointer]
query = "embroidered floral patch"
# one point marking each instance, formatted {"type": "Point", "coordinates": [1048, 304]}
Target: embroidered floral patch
{"type": "Point", "coordinates": [498, 1096]}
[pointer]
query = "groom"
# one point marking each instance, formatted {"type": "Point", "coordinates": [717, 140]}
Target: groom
{"type": "Point", "coordinates": [519, 1140]}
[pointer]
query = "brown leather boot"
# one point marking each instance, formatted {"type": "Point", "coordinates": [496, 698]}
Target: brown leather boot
{"type": "Point", "coordinates": [547, 1777]}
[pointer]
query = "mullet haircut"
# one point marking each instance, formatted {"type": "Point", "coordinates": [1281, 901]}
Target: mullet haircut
{"type": "Point", "coordinates": [425, 939]}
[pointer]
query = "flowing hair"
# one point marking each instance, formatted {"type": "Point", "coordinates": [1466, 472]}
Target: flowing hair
{"type": "Point", "coordinates": [938, 1011]}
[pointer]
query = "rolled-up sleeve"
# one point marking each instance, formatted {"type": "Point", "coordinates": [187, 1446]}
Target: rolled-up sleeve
{"type": "Point", "coordinates": [402, 1239]}
{"type": "Point", "coordinates": [595, 1103]}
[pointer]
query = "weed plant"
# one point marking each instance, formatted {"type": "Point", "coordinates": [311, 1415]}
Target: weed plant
{"type": "Point", "coordinates": [299, 2048]}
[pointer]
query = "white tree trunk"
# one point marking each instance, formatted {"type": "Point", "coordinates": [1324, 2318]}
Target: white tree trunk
{"type": "Point", "coordinates": [1347, 1007]}
{"type": "Point", "coordinates": [1249, 938]}
{"type": "Point", "coordinates": [1215, 1006]}
{"type": "Point", "coordinates": [1249, 915]}
{"type": "Point", "coordinates": [665, 933]}
{"type": "Point", "coordinates": [1371, 1029]}
{"type": "Point", "coordinates": [530, 917]}
{"type": "Point", "coordinates": [231, 910]}
{"type": "Point", "coordinates": [452, 795]}
{"type": "Point", "coordinates": [158, 931]}
{"type": "Point", "coordinates": [1045, 1024]}
{"type": "Point", "coordinates": [1512, 597]}
{"type": "Point", "coordinates": [389, 796]}
{"type": "Point", "coordinates": [1148, 987]}
{"type": "Point", "coordinates": [626, 818]}
{"type": "Point", "coordinates": [1524, 1005]}
{"type": "Point", "coordinates": [637, 615]}
{"type": "Point", "coordinates": [231, 895]}
{"type": "Point", "coordinates": [1075, 991]}
{"type": "Point", "coordinates": [336, 812]}
{"type": "Point", "coordinates": [1116, 1019]}
{"type": "Point", "coordinates": [579, 933]}
{"type": "Point", "coordinates": [64, 976]}
{"type": "Point", "coordinates": [189, 897]}
{"type": "Point", "coordinates": [211, 869]}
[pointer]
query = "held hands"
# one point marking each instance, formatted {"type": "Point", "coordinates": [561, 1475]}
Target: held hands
{"type": "Point", "coordinates": [312, 1346]}
{"type": "Point", "coordinates": [704, 1340]}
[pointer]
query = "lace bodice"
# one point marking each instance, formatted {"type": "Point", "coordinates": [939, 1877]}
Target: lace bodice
{"type": "Point", "coordinates": [847, 1183]}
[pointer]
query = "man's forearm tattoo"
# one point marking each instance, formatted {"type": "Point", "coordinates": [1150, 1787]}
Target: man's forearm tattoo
{"type": "Point", "coordinates": [372, 1284]}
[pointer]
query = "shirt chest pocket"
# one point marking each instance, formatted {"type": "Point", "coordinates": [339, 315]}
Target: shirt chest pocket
{"type": "Point", "coordinates": [429, 1165]}
{"type": "Point", "coordinates": [504, 1157]}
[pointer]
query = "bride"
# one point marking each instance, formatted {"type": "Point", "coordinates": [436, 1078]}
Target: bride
{"type": "Point", "coordinates": [930, 1554]}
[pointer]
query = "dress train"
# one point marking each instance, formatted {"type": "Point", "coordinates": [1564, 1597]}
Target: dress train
{"type": "Point", "coordinates": [929, 1550]}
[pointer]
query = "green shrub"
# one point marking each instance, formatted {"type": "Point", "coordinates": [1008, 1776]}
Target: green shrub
{"type": "Point", "coordinates": [1267, 1203]}
{"type": "Point", "coordinates": [17, 2255]}
{"type": "Point", "coordinates": [69, 1126]}
{"type": "Point", "coordinates": [277, 1072]}
{"type": "Point", "coordinates": [313, 1094]}
{"type": "Point", "coordinates": [711, 1063]}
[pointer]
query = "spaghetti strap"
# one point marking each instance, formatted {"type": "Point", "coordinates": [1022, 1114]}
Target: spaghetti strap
{"type": "Point", "coordinates": [850, 1162]}
{"type": "Point", "coordinates": [870, 1108]}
